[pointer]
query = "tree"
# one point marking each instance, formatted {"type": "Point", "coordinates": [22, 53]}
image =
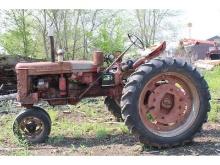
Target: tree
{"type": "Point", "coordinates": [76, 14]}
{"type": "Point", "coordinates": [41, 19]}
{"type": "Point", "coordinates": [79, 31]}
{"type": "Point", "coordinates": [111, 37]}
{"type": "Point", "coordinates": [18, 39]}
{"type": "Point", "coordinates": [150, 23]}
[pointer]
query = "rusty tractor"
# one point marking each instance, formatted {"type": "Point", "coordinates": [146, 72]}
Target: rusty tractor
{"type": "Point", "coordinates": [163, 101]}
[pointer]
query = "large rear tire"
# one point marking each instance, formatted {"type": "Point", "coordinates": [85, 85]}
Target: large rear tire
{"type": "Point", "coordinates": [113, 106]}
{"type": "Point", "coordinates": [165, 102]}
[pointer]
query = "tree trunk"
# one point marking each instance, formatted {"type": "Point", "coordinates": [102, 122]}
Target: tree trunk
{"type": "Point", "coordinates": [75, 34]}
{"type": "Point", "coordinates": [44, 34]}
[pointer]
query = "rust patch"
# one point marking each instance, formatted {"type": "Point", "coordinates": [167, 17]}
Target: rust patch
{"type": "Point", "coordinates": [22, 84]}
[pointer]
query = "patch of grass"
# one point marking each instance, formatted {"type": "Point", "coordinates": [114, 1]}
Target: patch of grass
{"type": "Point", "coordinates": [65, 126]}
{"type": "Point", "coordinates": [163, 152]}
{"type": "Point", "coordinates": [212, 78]}
{"type": "Point", "coordinates": [73, 148]}
{"type": "Point", "coordinates": [23, 152]}
{"type": "Point", "coordinates": [91, 107]}
{"type": "Point", "coordinates": [21, 142]}
{"type": "Point", "coordinates": [88, 110]}
{"type": "Point", "coordinates": [146, 147]}
{"type": "Point", "coordinates": [78, 134]}
{"type": "Point", "coordinates": [7, 135]}
{"type": "Point", "coordinates": [118, 128]}
{"type": "Point", "coordinates": [214, 115]}
{"type": "Point", "coordinates": [82, 146]}
{"type": "Point", "coordinates": [101, 133]}
{"type": "Point", "coordinates": [8, 107]}
{"type": "Point", "coordinates": [55, 139]}
{"type": "Point", "coordinates": [53, 114]}
{"type": "Point", "coordinates": [94, 125]}
{"type": "Point", "coordinates": [124, 129]}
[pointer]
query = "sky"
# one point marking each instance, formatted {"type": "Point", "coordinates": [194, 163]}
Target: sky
{"type": "Point", "coordinates": [205, 23]}
{"type": "Point", "coordinates": [204, 15]}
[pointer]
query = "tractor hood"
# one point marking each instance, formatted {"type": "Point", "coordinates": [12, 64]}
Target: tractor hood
{"type": "Point", "coordinates": [40, 68]}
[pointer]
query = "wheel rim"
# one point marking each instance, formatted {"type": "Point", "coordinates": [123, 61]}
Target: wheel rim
{"type": "Point", "coordinates": [168, 104]}
{"type": "Point", "coordinates": [31, 127]}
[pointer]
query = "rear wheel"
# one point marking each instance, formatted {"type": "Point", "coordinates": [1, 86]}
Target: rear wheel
{"type": "Point", "coordinates": [113, 106]}
{"type": "Point", "coordinates": [165, 102]}
{"type": "Point", "coordinates": [32, 126]}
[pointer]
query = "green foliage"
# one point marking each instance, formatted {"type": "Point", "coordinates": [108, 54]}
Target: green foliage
{"type": "Point", "coordinates": [53, 114]}
{"type": "Point", "coordinates": [18, 39]}
{"type": "Point", "coordinates": [110, 39]}
{"type": "Point", "coordinates": [212, 78]}
{"type": "Point", "coordinates": [77, 31]}
{"type": "Point", "coordinates": [101, 133]}
{"type": "Point", "coordinates": [123, 128]}
{"type": "Point", "coordinates": [214, 114]}
{"type": "Point", "coordinates": [12, 42]}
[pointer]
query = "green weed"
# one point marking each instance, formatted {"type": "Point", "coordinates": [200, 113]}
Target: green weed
{"type": "Point", "coordinates": [101, 133]}
{"type": "Point", "coordinates": [212, 78]}
{"type": "Point", "coordinates": [22, 152]}
{"type": "Point", "coordinates": [55, 139]}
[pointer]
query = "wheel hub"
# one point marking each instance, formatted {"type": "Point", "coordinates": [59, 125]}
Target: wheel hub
{"type": "Point", "coordinates": [166, 103]}
{"type": "Point", "coordinates": [31, 126]}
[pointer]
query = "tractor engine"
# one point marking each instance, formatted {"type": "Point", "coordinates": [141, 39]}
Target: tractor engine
{"type": "Point", "coordinates": [63, 82]}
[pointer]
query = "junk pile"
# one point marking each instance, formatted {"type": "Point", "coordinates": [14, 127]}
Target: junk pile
{"type": "Point", "coordinates": [7, 72]}
{"type": "Point", "coordinates": [207, 64]}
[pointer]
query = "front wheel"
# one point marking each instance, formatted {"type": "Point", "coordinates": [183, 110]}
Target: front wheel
{"type": "Point", "coordinates": [165, 102]}
{"type": "Point", "coordinates": [32, 125]}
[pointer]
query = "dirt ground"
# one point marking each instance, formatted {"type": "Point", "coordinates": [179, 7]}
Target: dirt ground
{"type": "Point", "coordinates": [207, 142]}
{"type": "Point", "coordinates": [114, 142]}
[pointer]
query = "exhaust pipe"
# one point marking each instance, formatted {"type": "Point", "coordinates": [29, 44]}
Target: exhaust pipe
{"type": "Point", "coordinates": [50, 34]}
{"type": "Point", "coordinates": [52, 49]}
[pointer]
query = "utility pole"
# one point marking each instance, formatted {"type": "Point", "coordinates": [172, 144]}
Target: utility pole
{"type": "Point", "coordinates": [189, 25]}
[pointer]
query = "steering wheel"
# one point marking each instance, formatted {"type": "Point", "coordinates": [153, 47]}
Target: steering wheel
{"type": "Point", "coordinates": [136, 41]}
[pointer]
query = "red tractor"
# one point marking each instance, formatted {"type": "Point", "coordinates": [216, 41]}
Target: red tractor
{"type": "Point", "coordinates": [163, 101]}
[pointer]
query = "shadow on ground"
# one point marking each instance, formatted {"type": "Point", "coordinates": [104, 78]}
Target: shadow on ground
{"type": "Point", "coordinates": [125, 139]}
{"type": "Point", "coordinates": [207, 142]}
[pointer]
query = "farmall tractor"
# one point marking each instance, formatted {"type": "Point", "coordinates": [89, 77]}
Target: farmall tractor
{"type": "Point", "coordinates": [163, 101]}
